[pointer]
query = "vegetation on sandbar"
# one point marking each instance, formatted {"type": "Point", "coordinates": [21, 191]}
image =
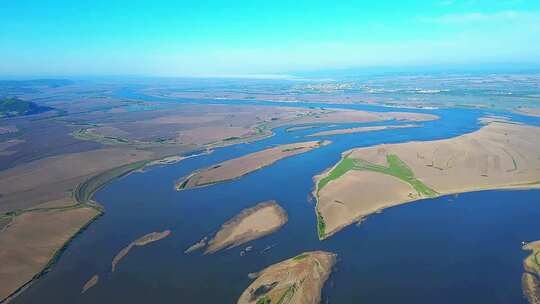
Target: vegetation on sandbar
{"type": "Point", "coordinates": [396, 167]}
{"type": "Point", "coordinates": [300, 256]}
{"type": "Point", "coordinates": [321, 225]}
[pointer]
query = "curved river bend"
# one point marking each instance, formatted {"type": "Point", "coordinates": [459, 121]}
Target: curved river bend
{"type": "Point", "coordinates": [455, 249]}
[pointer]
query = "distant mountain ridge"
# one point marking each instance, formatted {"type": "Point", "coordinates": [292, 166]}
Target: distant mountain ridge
{"type": "Point", "coordinates": [51, 83]}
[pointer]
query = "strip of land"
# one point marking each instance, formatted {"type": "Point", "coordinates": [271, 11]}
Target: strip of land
{"type": "Point", "coordinates": [296, 280]}
{"type": "Point", "coordinates": [90, 283]}
{"type": "Point", "coordinates": [530, 280]}
{"type": "Point", "coordinates": [300, 128]}
{"type": "Point", "coordinates": [32, 240]}
{"type": "Point", "coordinates": [250, 224]}
{"type": "Point", "coordinates": [238, 167]}
{"type": "Point", "coordinates": [529, 111]}
{"type": "Point", "coordinates": [142, 241]}
{"type": "Point", "coordinates": [362, 129]}
{"type": "Point", "coordinates": [366, 180]}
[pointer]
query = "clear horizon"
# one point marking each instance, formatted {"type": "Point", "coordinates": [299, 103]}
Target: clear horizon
{"type": "Point", "coordinates": [215, 38]}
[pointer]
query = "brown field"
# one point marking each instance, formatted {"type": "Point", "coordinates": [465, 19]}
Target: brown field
{"type": "Point", "coordinates": [362, 129]}
{"type": "Point", "coordinates": [241, 166]}
{"type": "Point", "coordinates": [296, 280]}
{"type": "Point", "coordinates": [249, 224]}
{"type": "Point", "coordinates": [374, 195]}
{"type": "Point", "coordinates": [31, 240]}
{"type": "Point", "coordinates": [55, 177]}
{"type": "Point", "coordinates": [41, 138]}
{"type": "Point", "coordinates": [499, 155]}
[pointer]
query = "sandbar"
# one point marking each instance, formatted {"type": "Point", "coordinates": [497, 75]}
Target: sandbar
{"type": "Point", "coordinates": [300, 128]}
{"type": "Point", "coordinates": [142, 241]}
{"type": "Point", "coordinates": [90, 283]}
{"type": "Point", "coordinates": [250, 224]}
{"type": "Point", "coordinates": [238, 167]}
{"type": "Point", "coordinates": [362, 129]}
{"type": "Point", "coordinates": [296, 280]}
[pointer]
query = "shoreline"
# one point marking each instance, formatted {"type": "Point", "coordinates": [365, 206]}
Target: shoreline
{"type": "Point", "coordinates": [219, 241]}
{"type": "Point", "coordinates": [52, 262]}
{"type": "Point", "coordinates": [83, 198]}
{"type": "Point", "coordinates": [517, 187]}
{"type": "Point", "coordinates": [531, 185]}
{"type": "Point", "coordinates": [181, 184]}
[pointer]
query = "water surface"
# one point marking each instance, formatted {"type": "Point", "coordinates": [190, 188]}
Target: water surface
{"type": "Point", "coordinates": [453, 249]}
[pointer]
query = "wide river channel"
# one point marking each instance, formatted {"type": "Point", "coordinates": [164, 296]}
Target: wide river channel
{"type": "Point", "coordinates": [462, 248]}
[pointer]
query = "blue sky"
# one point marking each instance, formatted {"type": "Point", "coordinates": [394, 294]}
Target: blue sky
{"type": "Point", "coordinates": [183, 38]}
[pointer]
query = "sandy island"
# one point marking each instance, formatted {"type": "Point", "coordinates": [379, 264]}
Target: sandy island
{"type": "Point", "coordinates": [362, 129]}
{"type": "Point", "coordinates": [142, 241]}
{"type": "Point", "coordinates": [238, 167]}
{"type": "Point", "coordinates": [531, 276]}
{"type": "Point", "coordinates": [250, 224]}
{"type": "Point", "coordinates": [90, 283]}
{"type": "Point", "coordinates": [366, 180]}
{"type": "Point", "coordinates": [296, 280]}
{"type": "Point", "coordinates": [300, 128]}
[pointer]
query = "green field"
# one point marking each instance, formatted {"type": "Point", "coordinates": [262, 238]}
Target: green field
{"type": "Point", "coordinates": [321, 226]}
{"type": "Point", "coordinates": [341, 168]}
{"type": "Point", "coordinates": [264, 300]}
{"type": "Point", "coordinates": [396, 167]}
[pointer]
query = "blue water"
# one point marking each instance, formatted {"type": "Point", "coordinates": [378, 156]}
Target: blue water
{"type": "Point", "coordinates": [453, 249]}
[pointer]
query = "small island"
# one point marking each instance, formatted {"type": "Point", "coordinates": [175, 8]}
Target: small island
{"type": "Point", "coordinates": [238, 167]}
{"type": "Point", "coordinates": [297, 280]}
{"type": "Point", "coordinates": [142, 241]}
{"type": "Point", "coordinates": [530, 280]}
{"type": "Point", "coordinates": [363, 129]}
{"type": "Point", "coordinates": [90, 283]}
{"type": "Point", "coordinates": [250, 224]}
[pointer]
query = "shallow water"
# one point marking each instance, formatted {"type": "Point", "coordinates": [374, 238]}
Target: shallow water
{"type": "Point", "coordinates": [452, 249]}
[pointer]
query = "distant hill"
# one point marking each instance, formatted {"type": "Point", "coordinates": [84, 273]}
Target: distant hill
{"type": "Point", "coordinates": [16, 87]}
{"type": "Point", "coordinates": [11, 107]}
{"type": "Point", "coordinates": [51, 83]}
